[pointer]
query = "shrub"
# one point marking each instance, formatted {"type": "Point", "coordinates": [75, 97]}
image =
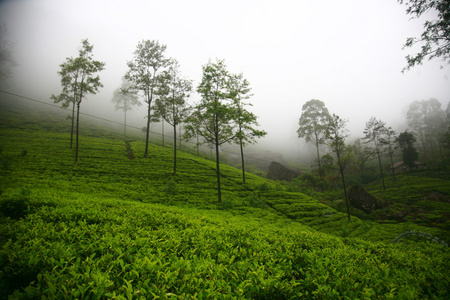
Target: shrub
{"type": "Point", "coordinates": [16, 207]}
{"type": "Point", "coordinates": [6, 161]}
{"type": "Point", "coordinates": [254, 200]}
{"type": "Point", "coordinates": [419, 234]}
{"type": "Point", "coordinates": [171, 188]}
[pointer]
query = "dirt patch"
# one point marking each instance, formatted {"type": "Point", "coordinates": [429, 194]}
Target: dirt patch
{"type": "Point", "coordinates": [130, 154]}
{"type": "Point", "coordinates": [436, 196]}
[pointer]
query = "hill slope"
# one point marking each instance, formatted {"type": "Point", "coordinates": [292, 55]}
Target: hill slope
{"type": "Point", "coordinates": [111, 226]}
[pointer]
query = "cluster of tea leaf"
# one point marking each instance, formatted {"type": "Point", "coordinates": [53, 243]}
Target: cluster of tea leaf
{"type": "Point", "coordinates": [111, 227]}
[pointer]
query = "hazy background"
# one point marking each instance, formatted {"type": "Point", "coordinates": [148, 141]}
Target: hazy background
{"type": "Point", "coordinates": [346, 53]}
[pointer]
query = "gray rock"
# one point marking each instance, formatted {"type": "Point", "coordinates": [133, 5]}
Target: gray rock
{"type": "Point", "coordinates": [278, 171]}
{"type": "Point", "coordinates": [361, 199]}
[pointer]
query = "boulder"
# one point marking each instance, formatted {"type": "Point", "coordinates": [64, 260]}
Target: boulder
{"type": "Point", "coordinates": [361, 199]}
{"type": "Point", "coordinates": [278, 171]}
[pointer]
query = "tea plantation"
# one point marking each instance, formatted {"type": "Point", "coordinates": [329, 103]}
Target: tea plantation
{"type": "Point", "coordinates": [111, 227]}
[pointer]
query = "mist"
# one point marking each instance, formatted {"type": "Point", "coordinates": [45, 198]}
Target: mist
{"type": "Point", "coordinates": [347, 54]}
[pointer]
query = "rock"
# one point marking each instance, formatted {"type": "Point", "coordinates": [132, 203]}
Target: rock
{"type": "Point", "coordinates": [278, 171]}
{"type": "Point", "coordinates": [361, 199]}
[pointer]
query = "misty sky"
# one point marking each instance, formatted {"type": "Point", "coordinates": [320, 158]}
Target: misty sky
{"type": "Point", "coordinates": [346, 53]}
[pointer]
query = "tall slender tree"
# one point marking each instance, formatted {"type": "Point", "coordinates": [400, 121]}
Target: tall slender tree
{"type": "Point", "coordinates": [213, 116]}
{"type": "Point", "coordinates": [171, 104]}
{"type": "Point", "coordinates": [145, 68]}
{"type": "Point", "coordinates": [336, 134]}
{"type": "Point", "coordinates": [68, 96]}
{"type": "Point", "coordinates": [362, 156]}
{"type": "Point", "coordinates": [388, 141]}
{"type": "Point", "coordinates": [373, 135]}
{"type": "Point", "coordinates": [313, 124]}
{"type": "Point", "coordinates": [79, 78]}
{"type": "Point", "coordinates": [245, 120]}
{"type": "Point", "coordinates": [124, 99]}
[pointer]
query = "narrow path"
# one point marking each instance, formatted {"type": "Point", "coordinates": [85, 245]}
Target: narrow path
{"type": "Point", "coordinates": [130, 154]}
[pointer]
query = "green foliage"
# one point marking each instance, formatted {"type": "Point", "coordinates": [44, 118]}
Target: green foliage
{"type": "Point", "coordinates": [212, 118]}
{"type": "Point", "coordinates": [313, 123]}
{"type": "Point", "coordinates": [79, 78]}
{"type": "Point", "coordinates": [16, 206]}
{"type": "Point", "coordinates": [171, 188]}
{"type": "Point", "coordinates": [114, 237]}
{"type": "Point", "coordinates": [419, 234]}
{"type": "Point", "coordinates": [144, 75]}
{"type": "Point", "coordinates": [435, 38]}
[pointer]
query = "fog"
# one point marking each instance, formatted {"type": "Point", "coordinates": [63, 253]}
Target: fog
{"type": "Point", "coordinates": [346, 53]}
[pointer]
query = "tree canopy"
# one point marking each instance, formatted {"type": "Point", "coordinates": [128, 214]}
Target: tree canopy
{"type": "Point", "coordinates": [171, 105]}
{"type": "Point", "coordinates": [144, 70]}
{"type": "Point", "coordinates": [313, 124]}
{"type": "Point", "coordinates": [246, 121]}
{"type": "Point", "coordinates": [124, 98]}
{"type": "Point", "coordinates": [336, 133]}
{"type": "Point", "coordinates": [213, 117]}
{"type": "Point", "coordinates": [435, 39]}
{"type": "Point", "coordinates": [373, 135]}
{"type": "Point", "coordinates": [427, 120]}
{"type": "Point", "coordinates": [79, 78]}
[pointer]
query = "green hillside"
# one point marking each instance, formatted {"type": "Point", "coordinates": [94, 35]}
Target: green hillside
{"type": "Point", "coordinates": [112, 227]}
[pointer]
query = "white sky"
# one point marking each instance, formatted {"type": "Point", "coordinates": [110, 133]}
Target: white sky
{"type": "Point", "coordinates": [346, 53]}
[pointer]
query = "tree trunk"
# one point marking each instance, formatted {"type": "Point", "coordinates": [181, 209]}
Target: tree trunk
{"type": "Point", "coordinates": [73, 122]}
{"type": "Point", "coordinates": [125, 125]}
{"type": "Point", "coordinates": [392, 164]}
{"type": "Point", "coordinates": [318, 160]}
{"type": "Point", "coordinates": [381, 169]}
{"type": "Point", "coordinates": [216, 142]}
{"type": "Point", "coordinates": [148, 125]}
{"type": "Point", "coordinates": [243, 164]}
{"type": "Point", "coordinates": [219, 191]}
{"type": "Point", "coordinates": [198, 146]}
{"type": "Point", "coordinates": [181, 136]}
{"type": "Point", "coordinates": [322, 188]}
{"type": "Point", "coordinates": [174, 149]}
{"type": "Point", "coordinates": [162, 129]}
{"type": "Point", "coordinates": [77, 132]}
{"type": "Point", "coordinates": [345, 189]}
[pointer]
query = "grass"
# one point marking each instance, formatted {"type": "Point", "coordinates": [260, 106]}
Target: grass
{"type": "Point", "coordinates": [113, 227]}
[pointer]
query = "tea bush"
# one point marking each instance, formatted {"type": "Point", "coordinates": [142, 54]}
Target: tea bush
{"type": "Point", "coordinates": [111, 227]}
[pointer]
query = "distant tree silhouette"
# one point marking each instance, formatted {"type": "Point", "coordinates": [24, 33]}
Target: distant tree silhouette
{"type": "Point", "coordinates": [124, 99]}
{"type": "Point", "coordinates": [373, 135]}
{"type": "Point", "coordinates": [388, 141]}
{"type": "Point", "coordinates": [336, 133]}
{"type": "Point", "coordinates": [362, 156]}
{"type": "Point", "coordinates": [427, 119]}
{"type": "Point", "coordinates": [406, 142]}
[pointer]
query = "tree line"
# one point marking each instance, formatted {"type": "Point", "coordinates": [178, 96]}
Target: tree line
{"type": "Point", "coordinates": [428, 123]}
{"type": "Point", "coordinates": [220, 117]}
